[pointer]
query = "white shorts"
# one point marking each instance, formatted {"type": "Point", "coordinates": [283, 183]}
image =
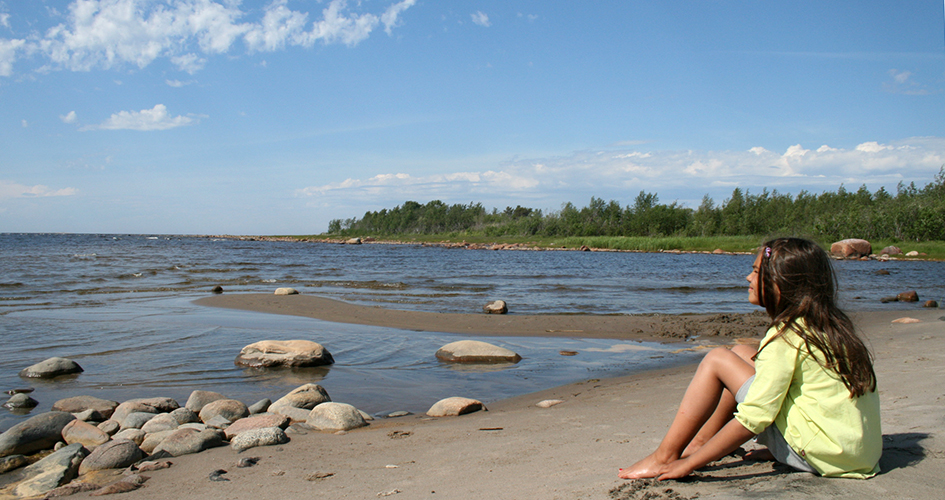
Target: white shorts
{"type": "Point", "coordinates": [772, 438]}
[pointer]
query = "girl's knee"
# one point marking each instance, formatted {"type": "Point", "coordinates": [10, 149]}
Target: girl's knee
{"type": "Point", "coordinates": [745, 352]}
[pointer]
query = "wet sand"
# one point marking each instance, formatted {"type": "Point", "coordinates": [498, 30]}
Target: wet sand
{"type": "Point", "coordinates": [517, 450]}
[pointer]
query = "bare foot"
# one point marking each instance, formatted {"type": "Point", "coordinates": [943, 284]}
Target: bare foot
{"type": "Point", "coordinates": [761, 455]}
{"type": "Point", "coordinates": [648, 467]}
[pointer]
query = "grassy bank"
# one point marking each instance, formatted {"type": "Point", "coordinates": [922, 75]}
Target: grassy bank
{"type": "Point", "coordinates": [934, 250]}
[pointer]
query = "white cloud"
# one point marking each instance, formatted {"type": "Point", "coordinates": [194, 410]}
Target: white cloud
{"type": "Point", "coordinates": [112, 33]}
{"type": "Point", "coordinates": [177, 83]}
{"type": "Point", "coordinates": [155, 118]}
{"type": "Point", "coordinates": [68, 117]}
{"type": "Point", "coordinates": [480, 18]}
{"type": "Point", "coordinates": [671, 174]}
{"type": "Point", "coordinates": [5, 20]}
{"type": "Point", "coordinates": [24, 123]}
{"type": "Point", "coordinates": [903, 83]}
{"type": "Point", "coordinates": [9, 189]}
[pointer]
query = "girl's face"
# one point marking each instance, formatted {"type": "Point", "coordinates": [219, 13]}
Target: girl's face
{"type": "Point", "coordinates": [753, 284]}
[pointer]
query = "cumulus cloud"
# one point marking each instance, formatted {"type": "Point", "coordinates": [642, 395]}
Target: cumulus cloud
{"type": "Point", "coordinates": [68, 117]}
{"type": "Point", "coordinates": [685, 175]}
{"type": "Point", "coordinates": [479, 17]}
{"type": "Point", "coordinates": [156, 118]}
{"type": "Point", "coordinates": [112, 33]}
{"type": "Point", "coordinates": [9, 189]}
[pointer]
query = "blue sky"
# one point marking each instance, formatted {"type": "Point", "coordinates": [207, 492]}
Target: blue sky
{"type": "Point", "coordinates": [274, 117]}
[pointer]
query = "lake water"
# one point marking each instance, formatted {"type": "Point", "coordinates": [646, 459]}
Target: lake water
{"type": "Point", "coordinates": [121, 306]}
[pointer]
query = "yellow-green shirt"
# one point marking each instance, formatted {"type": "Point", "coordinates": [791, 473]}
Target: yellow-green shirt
{"type": "Point", "coordinates": [837, 435]}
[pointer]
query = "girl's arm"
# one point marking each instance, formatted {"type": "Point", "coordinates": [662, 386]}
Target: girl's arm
{"type": "Point", "coordinates": [724, 442]}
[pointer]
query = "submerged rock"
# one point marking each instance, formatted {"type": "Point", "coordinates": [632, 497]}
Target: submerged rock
{"type": "Point", "coordinates": [52, 367]}
{"type": "Point", "coordinates": [474, 351]}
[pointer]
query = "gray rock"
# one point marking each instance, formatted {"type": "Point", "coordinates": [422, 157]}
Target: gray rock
{"type": "Point", "coordinates": [161, 422]}
{"type": "Point", "coordinates": [230, 409]}
{"type": "Point", "coordinates": [335, 417]}
{"type": "Point", "coordinates": [85, 434]}
{"type": "Point", "coordinates": [194, 425]}
{"type": "Point", "coordinates": [293, 353]}
{"type": "Point", "coordinates": [185, 416]}
{"type": "Point", "coordinates": [259, 406]}
{"type": "Point", "coordinates": [89, 415]}
{"type": "Point", "coordinates": [186, 441]}
{"type": "Point", "coordinates": [52, 367]}
{"type": "Point", "coordinates": [455, 406]}
{"type": "Point", "coordinates": [474, 351]}
{"type": "Point", "coordinates": [264, 436]}
{"type": "Point", "coordinates": [110, 427]}
{"type": "Point", "coordinates": [41, 432]}
{"type": "Point", "coordinates": [20, 402]}
{"type": "Point", "coordinates": [129, 407]}
{"type": "Point", "coordinates": [79, 404]}
{"type": "Point", "coordinates": [306, 396]}
{"type": "Point", "coordinates": [136, 420]}
{"type": "Point", "coordinates": [199, 399]}
{"type": "Point", "coordinates": [12, 462]}
{"type": "Point", "coordinates": [135, 435]}
{"type": "Point", "coordinates": [51, 472]}
{"type": "Point", "coordinates": [293, 413]}
{"type": "Point", "coordinates": [115, 454]}
{"type": "Point", "coordinates": [218, 422]}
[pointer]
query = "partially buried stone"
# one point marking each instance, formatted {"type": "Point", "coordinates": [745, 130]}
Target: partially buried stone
{"type": "Point", "coordinates": [286, 291]}
{"type": "Point", "coordinates": [114, 454]}
{"type": "Point", "coordinates": [186, 441]}
{"type": "Point", "coordinates": [50, 368]}
{"type": "Point", "coordinates": [12, 462]}
{"type": "Point", "coordinates": [455, 406]}
{"type": "Point", "coordinates": [51, 472]}
{"type": "Point", "coordinates": [293, 353]}
{"type": "Point", "coordinates": [474, 351]}
{"type": "Point", "coordinates": [335, 417]}
{"type": "Point", "coordinates": [265, 436]}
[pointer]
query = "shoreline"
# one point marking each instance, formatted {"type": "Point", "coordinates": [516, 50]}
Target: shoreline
{"type": "Point", "coordinates": [655, 328]}
{"type": "Point", "coordinates": [573, 449]}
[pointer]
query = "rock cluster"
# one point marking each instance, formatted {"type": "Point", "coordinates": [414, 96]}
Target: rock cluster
{"type": "Point", "coordinates": [113, 435]}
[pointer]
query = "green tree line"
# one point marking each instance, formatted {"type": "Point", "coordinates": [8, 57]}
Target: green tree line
{"type": "Point", "coordinates": [910, 214]}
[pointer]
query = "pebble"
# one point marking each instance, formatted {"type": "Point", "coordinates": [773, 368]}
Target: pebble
{"type": "Point", "coordinates": [217, 475]}
{"type": "Point", "coordinates": [548, 403]}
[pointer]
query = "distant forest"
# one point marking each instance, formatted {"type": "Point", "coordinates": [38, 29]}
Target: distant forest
{"type": "Point", "coordinates": [909, 214]}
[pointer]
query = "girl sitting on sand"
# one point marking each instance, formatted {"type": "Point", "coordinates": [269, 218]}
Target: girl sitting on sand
{"type": "Point", "coordinates": [808, 392]}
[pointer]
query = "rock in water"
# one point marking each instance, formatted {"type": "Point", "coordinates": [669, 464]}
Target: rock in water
{"type": "Point", "coordinates": [495, 307]}
{"type": "Point", "coordinates": [910, 296]}
{"type": "Point", "coordinates": [41, 432]}
{"type": "Point", "coordinates": [286, 291]}
{"type": "Point", "coordinates": [20, 402]}
{"type": "Point", "coordinates": [269, 353]}
{"type": "Point", "coordinates": [474, 351]}
{"type": "Point", "coordinates": [52, 367]}
{"type": "Point", "coordinates": [455, 406]}
{"type": "Point", "coordinates": [77, 404]}
{"type": "Point", "coordinates": [851, 248]}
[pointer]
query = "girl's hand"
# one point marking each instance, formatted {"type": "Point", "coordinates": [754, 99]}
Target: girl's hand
{"type": "Point", "coordinates": [675, 470]}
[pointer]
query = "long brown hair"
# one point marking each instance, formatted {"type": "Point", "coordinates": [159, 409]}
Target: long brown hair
{"type": "Point", "coordinates": [797, 281]}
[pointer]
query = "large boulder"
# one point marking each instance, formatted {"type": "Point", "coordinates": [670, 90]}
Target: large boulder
{"type": "Point", "coordinates": [51, 472]}
{"type": "Point", "coordinates": [293, 353]}
{"type": "Point", "coordinates": [77, 404]}
{"type": "Point", "coordinates": [161, 422]}
{"type": "Point", "coordinates": [851, 248]}
{"type": "Point", "coordinates": [455, 406]}
{"type": "Point", "coordinates": [85, 434]}
{"type": "Point", "coordinates": [305, 397]}
{"type": "Point", "coordinates": [474, 351]}
{"type": "Point", "coordinates": [37, 433]}
{"type": "Point", "coordinates": [187, 441]}
{"type": "Point", "coordinates": [230, 409]}
{"type": "Point", "coordinates": [115, 454]}
{"type": "Point", "coordinates": [335, 417]}
{"type": "Point", "coordinates": [52, 367]}
{"type": "Point", "coordinates": [891, 250]}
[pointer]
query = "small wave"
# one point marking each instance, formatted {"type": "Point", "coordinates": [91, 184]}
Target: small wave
{"type": "Point", "coordinates": [11, 285]}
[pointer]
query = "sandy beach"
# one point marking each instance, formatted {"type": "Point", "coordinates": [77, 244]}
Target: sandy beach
{"type": "Point", "coordinates": [571, 450]}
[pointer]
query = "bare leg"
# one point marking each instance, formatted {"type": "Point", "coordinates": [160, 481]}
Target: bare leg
{"type": "Point", "coordinates": [720, 369]}
{"type": "Point", "coordinates": [725, 409]}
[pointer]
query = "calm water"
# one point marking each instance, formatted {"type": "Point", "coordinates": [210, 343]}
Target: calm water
{"type": "Point", "coordinates": [120, 305]}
